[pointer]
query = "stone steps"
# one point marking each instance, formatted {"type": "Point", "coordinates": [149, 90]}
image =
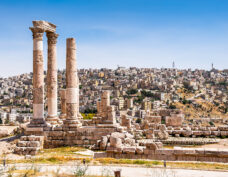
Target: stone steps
{"type": "Point", "coordinates": [29, 145]}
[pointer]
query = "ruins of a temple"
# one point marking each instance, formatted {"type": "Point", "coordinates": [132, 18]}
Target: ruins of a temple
{"type": "Point", "coordinates": [122, 138]}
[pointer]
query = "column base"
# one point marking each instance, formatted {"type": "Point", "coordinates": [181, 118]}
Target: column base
{"type": "Point", "coordinates": [52, 120]}
{"type": "Point", "coordinates": [37, 122]}
{"type": "Point", "coordinates": [36, 127]}
{"type": "Point", "coordinates": [72, 123]}
{"type": "Point", "coordinates": [62, 116]}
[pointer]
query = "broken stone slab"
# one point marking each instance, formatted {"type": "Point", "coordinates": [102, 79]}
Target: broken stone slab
{"type": "Point", "coordinates": [115, 142]}
{"type": "Point", "coordinates": [103, 142]}
{"type": "Point", "coordinates": [140, 149]}
{"type": "Point", "coordinates": [129, 150]}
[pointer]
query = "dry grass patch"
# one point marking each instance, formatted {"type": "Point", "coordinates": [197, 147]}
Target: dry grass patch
{"type": "Point", "coordinates": [127, 161]}
{"type": "Point", "coordinates": [150, 163]}
{"type": "Point", "coordinates": [50, 160]}
{"type": "Point", "coordinates": [61, 150]}
{"type": "Point", "coordinates": [198, 165]}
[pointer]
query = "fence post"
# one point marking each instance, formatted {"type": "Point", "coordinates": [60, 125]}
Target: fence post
{"type": "Point", "coordinates": [117, 173]}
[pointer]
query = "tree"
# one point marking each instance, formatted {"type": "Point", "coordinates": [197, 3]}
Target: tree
{"type": "Point", "coordinates": [147, 94]}
{"type": "Point", "coordinates": [138, 121]}
{"type": "Point", "coordinates": [132, 91]}
{"type": "Point", "coordinates": [88, 110]}
{"type": "Point", "coordinates": [172, 106]}
{"type": "Point", "coordinates": [139, 99]}
{"type": "Point", "coordinates": [226, 110]}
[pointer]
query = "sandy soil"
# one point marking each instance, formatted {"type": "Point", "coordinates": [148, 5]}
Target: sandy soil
{"type": "Point", "coordinates": [8, 144]}
{"type": "Point", "coordinates": [4, 147]}
{"type": "Point", "coordinates": [9, 129]}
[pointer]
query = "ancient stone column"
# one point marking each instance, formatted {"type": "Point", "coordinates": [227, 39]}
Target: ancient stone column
{"type": "Point", "coordinates": [62, 93]}
{"type": "Point", "coordinates": [78, 102]}
{"type": "Point", "coordinates": [105, 102]}
{"type": "Point", "coordinates": [71, 84]}
{"type": "Point", "coordinates": [38, 78]}
{"type": "Point", "coordinates": [52, 79]}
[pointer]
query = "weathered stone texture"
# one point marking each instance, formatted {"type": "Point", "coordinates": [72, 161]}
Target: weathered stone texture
{"type": "Point", "coordinates": [52, 78]}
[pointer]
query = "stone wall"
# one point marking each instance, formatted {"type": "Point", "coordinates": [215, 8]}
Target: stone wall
{"type": "Point", "coordinates": [170, 155]}
{"type": "Point", "coordinates": [198, 131]}
{"type": "Point", "coordinates": [83, 136]}
{"type": "Point", "coordinates": [174, 120]}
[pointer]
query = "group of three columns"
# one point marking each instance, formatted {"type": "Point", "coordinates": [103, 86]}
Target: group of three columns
{"type": "Point", "coordinates": [72, 100]}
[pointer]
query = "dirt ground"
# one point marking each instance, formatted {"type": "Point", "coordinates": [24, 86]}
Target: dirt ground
{"type": "Point", "coordinates": [7, 144]}
{"type": "Point", "coordinates": [10, 129]}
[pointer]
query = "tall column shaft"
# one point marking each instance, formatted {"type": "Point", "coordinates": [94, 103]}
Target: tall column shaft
{"type": "Point", "coordinates": [52, 77]}
{"type": "Point", "coordinates": [71, 79]}
{"type": "Point", "coordinates": [62, 93]}
{"type": "Point", "coordinates": [38, 74]}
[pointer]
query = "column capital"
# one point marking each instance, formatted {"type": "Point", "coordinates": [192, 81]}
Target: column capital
{"type": "Point", "coordinates": [37, 33]}
{"type": "Point", "coordinates": [52, 37]}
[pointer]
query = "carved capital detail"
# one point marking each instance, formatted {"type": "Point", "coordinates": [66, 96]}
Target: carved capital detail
{"type": "Point", "coordinates": [52, 37]}
{"type": "Point", "coordinates": [37, 33]}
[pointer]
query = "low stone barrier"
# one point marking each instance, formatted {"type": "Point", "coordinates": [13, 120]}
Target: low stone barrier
{"type": "Point", "coordinates": [170, 155]}
{"type": "Point", "coordinates": [189, 141]}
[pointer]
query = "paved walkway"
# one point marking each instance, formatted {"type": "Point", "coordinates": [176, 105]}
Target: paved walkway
{"type": "Point", "coordinates": [129, 171]}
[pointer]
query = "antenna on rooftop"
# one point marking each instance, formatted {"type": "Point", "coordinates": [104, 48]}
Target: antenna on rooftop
{"type": "Point", "coordinates": [173, 64]}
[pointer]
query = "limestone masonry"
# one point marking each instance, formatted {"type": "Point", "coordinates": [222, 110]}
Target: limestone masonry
{"type": "Point", "coordinates": [117, 137]}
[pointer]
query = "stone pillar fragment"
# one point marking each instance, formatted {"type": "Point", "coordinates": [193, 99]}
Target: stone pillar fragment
{"type": "Point", "coordinates": [52, 79]}
{"type": "Point", "coordinates": [71, 85]}
{"type": "Point", "coordinates": [38, 79]}
{"type": "Point", "coordinates": [62, 93]}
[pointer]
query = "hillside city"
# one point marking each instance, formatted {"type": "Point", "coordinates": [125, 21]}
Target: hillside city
{"type": "Point", "coordinates": [147, 118]}
{"type": "Point", "coordinates": [134, 91]}
{"type": "Point", "coordinates": [133, 88]}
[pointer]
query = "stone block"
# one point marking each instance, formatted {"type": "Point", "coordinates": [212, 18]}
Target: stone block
{"type": "Point", "coordinates": [110, 149]}
{"type": "Point", "coordinates": [148, 151]}
{"type": "Point", "coordinates": [140, 150]}
{"type": "Point", "coordinates": [207, 133]}
{"type": "Point", "coordinates": [224, 133]}
{"type": "Point", "coordinates": [22, 144]}
{"type": "Point", "coordinates": [151, 146]}
{"type": "Point", "coordinates": [165, 152]}
{"type": "Point", "coordinates": [159, 145]}
{"type": "Point", "coordinates": [129, 150]}
{"type": "Point", "coordinates": [24, 138]}
{"type": "Point", "coordinates": [118, 135]}
{"type": "Point", "coordinates": [33, 144]}
{"type": "Point", "coordinates": [115, 142]}
{"type": "Point", "coordinates": [223, 128]}
{"type": "Point", "coordinates": [216, 133]}
{"type": "Point", "coordinates": [104, 142]}
{"type": "Point", "coordinates": [118, 150]}
{"type": "Point", "coordinates": [197, 133]}
{"type": "Point", "coordinates": [129, 141]}
{"type": "Point", "coordinates": [56, 133]}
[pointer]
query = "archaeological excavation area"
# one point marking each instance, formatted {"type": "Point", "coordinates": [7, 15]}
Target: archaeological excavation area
{"type": "Point", "coordinates": [107, 135]}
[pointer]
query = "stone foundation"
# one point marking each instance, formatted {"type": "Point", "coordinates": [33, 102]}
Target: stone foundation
{"type": "Point", "coordinates": [82, 136]}
{"type": "Point", "coordinates": [169, 155]}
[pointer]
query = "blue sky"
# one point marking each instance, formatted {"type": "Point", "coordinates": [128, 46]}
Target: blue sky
{"type": "Point", "coordinates": [142, 33]}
